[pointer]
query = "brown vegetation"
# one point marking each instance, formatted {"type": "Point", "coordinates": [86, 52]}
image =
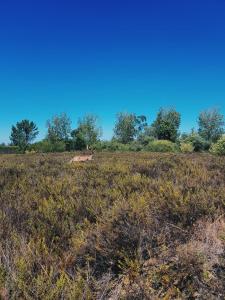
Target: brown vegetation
{"type": "Point", "coordinates": [124, 226]}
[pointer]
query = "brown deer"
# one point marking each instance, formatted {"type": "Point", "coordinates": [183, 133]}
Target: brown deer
{"type": "Point", "coordinates": [82, 157]}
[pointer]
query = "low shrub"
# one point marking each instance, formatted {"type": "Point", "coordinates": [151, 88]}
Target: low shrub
{"type": "Point", "coordinates": [186, 147]}
{"type": "Point", "coordinates": [123, 226]}
{"type": "Point", "coordinates": [161, 146]}
{"type": "Point", "coordinates": [111, 146]}
{"type": "Point", "coordinates": [9, 149]}
{"type": "Point", "coordinates": [219, 147]}
{"type": "Point", "coordinates": [48, 146]}
{"type": "Point", "coordinates": [197, 142]}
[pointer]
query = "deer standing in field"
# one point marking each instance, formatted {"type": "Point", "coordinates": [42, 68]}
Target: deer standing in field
{"type": "Point", "coordinates": [84, 157]}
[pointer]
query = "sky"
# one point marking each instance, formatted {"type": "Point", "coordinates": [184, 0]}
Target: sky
{"type": "Point", "coordinates": [110, 56]}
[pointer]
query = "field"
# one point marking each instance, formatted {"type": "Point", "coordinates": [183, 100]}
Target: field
{"type": "Point", "coordinates": [123, 226]}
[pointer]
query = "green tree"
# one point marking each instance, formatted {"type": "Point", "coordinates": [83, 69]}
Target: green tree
{"type": "Point", "coordinates": [211, 125]}
{"type": "Point", "coordinates": [79, 142]}
{"type": "Point", "coordinates": [166, 125]}
{"type": "Point", "coordinates": [128, 127]}
{"type": "Point", "coordinates": [87, 133]}
{"type": "Point", "coordinates": [23, 133]}
{"type": "Point", "coordinates": [59, 128]}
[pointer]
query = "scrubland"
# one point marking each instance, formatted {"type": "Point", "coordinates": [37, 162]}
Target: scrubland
{"type": "Point", "coordinates": [123, 226]}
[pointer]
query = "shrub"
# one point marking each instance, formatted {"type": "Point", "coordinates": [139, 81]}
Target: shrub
{"type": "Point", "coordinates": [110, 146]}
{"type": "Point", "coordinates": [219, 147]}
{"type": "Point", "coordinates": [161, 146]}
{"type": "Point", "coordinates": [124, 226]}
{"type": "Point", "coordinates": [8, 149]}
{"type": "Point", "coordinates": [135, 146]}
{"type": "Point", "coordinates": [48, 146]}
{"type": "Point", "coordinates": [197, 141]}
{"type": "Point", "coordinates": [186, 147]}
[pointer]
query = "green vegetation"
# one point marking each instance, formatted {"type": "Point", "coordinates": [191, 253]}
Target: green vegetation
{"type": "Point", "coordinates": [128, 127]}
{"type": "Point", "coordinates": [59, 128]}
{"type": "Point", "coordinates": [123, 226]}
{"type": "Point", "coordinates": [198, 142]}
{"type": "Point", "coordinates": [131, 133]}
{"type": "Point", "coordinates": [8, 149]}
{"type": "Point", "coordinates": [166, 125]}
{"type": "Point", "coordinates": [47, 146]}
{"type": "Point", "coordinates": [87, 133]}
{"type": "Point", "coordinates": [162, 146]}
{"type": "Point", "coordinates": [211, 124]}
{"type": "Point", "coordinates": [186, 147]}
{"type": "Point", "coordinates": [23, 134]}
{"type": "Point", "coordinates": [219, 147]}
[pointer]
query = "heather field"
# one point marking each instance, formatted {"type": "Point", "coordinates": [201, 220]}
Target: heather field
{"type": "Point", "coordinates": [123, 226]}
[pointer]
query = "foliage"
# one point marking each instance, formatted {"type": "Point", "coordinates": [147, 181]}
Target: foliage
{"type": "Point", "coordinates": [186, 148]}
{"type": "Point", "coordinates": [46, 146]}
{"type": "Point", "coordinates": [8, 149]}
{"type": "Point", "coordinates": [197, 141]}
{"type": "Point", "coordinates": [123, 226]}
{"type": "Point", "coordinates": [211, 125]}
{"type": "Point", "coordinates": [146, 135]}
{"type": "Point", "coordinates": [166, 125]}
{"type": "Point", "coordinates": [59, 128]}
{"type": "Point", "coordinates": [128, 126]}
{"type": "Point", "coordinates": [87, 133]}
{"type": "Point", "coordinates": [219, 147]}
{"type": "Point", "coordinates": [161, 146]}
{"type": "Point", "coordinates": [110, 146]}
{"type": "Point", "coordinates": [23, 134]}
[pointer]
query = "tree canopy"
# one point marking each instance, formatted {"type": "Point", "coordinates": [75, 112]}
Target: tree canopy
{"type": "Point", "coordinates": [59, 128]}
{"type": "Point", "coordinates": [167, 124]}
{"type": "Point", "coordinates": [211, 124]}
{"type": "Point", "coordinates": [23, 133]}
{"type": "Point", "coordinates": [87, 133]}
{"type": "Point", "coordinates": [128, 126]}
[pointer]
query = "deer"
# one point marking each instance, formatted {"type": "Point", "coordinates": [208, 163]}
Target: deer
{"type": "Point", "coordinates": [82, 158]}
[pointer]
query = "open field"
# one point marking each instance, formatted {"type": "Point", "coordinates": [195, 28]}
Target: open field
{"type": "Point", "coordinates": [123, 226]}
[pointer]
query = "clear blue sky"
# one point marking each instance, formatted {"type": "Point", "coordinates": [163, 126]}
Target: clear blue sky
{"type": "Point", "coordinates": [108, 56]}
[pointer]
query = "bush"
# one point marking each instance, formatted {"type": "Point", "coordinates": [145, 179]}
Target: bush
{"type": "Point", "coordinates": [186, 147]}
{"type": "Point", "coordinates": [110, 146]}
{"type": "Point", "coordinates": [197, 141]}
{"type": "Point", "coordinates": [48, 146]}
{"type": "Point", "coordinates": [8, 149]}
{"type": "Point", "coordinates": [117, 146]}
{"type": "Point", "coordinates": [135, 146]}
{"type": "Point", "coordinates": [161, 146]}
{"type": "Point", "coordinates": [219, 147]}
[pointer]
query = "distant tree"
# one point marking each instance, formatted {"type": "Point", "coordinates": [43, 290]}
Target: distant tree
{"type": "Point", "coordinates": [23, 134]}
{"type": "Point", "coordinates": [59, 128]}
{"type": "Point", "coordinates": [79, 142]}
{"type": "Point", "coordinates": [211, 125]}
{"type": "Point", "coordinates": [128, 126]}
{"type": "Point", "coordinates": [147, 135]}
{"type": "Point", "coordinates": [141, 124]}
{"type": "Point", "coordinates": [87, 133]}
{"type": "Point", "coordinates": [166, 125]}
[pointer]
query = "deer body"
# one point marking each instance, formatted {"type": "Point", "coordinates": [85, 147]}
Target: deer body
{"type": "Point", "coordinates": [81, 158]}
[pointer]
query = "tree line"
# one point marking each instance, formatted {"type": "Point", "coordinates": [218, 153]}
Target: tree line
{"type": "Point", "coordinates": [131, 132]}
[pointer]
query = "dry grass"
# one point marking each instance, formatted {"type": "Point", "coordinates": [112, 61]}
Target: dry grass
{"type": "Point", "coordinates": [123, 226]}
